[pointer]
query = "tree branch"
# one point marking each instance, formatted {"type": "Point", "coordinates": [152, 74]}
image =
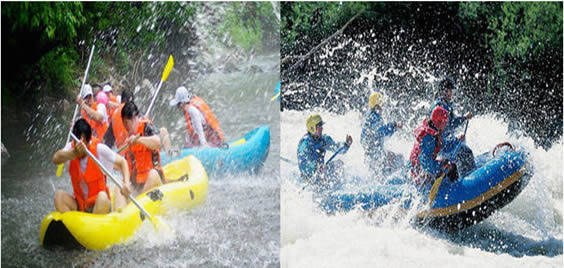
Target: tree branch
{"type": "Point", "coordinates": [304, 57]}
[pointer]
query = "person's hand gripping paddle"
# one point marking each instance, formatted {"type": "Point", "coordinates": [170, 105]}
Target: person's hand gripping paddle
{"type": "Point", "coordinates": [158, 224]}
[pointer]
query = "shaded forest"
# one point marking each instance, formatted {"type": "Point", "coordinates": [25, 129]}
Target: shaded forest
{"type": "Point", "coordinates": [45, 45]}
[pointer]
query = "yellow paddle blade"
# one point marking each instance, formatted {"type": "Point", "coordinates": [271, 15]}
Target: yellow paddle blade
{"type": "Point", "coordinates": [60, 170]}
{"type": "Point", "coordinates": [161, 226]}
{"type": "Point", "coordinates": [275, 96]}
{"type": "Point", "coordinates": [435, 189]}
{"type": "Point", "coordinates": [168, 68]}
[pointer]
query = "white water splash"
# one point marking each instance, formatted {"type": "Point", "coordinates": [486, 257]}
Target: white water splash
{"type": "Point", "coordinates": [531, 225]}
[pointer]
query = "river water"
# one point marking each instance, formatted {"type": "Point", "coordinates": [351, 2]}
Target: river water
{"type": "Point", "coordinates": [525, 233]}
{"type": "Point", "coordinates": [238, 225]}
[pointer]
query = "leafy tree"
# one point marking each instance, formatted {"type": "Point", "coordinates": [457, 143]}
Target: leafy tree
{"type": "Point", "coordinates": [38, 46]}
{"type": "Point", "coordinates": [515, 29]}
{"type": "Point", "coordinates": [251, 25]}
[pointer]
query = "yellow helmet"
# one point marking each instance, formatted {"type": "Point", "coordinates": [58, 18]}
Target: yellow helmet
{"type": "Point", "coordinates": [375, 99]}
{"type": "Point", "coordinates": [312, 122]}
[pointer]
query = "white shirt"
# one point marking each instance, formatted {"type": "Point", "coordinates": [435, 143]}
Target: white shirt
{"type": "Point", "coordinates": [101, 108]}
{"type": "Point", "coordinates": [106, 156]}
{"type": "Point", "coordinates": [198, 121]}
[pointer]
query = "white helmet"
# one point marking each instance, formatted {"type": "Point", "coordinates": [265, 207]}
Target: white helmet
{"type": "Point", "coordinates": [107, 88]}
{"type": "Point", "coordinates": [183, 95]}
{"type": "Point", "coordinates": [86, 90]}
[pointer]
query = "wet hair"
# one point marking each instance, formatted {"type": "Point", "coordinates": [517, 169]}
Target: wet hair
{"type": "Point", "coordinates": [129, 111]}
{"type": "Point", "coordinates": [82, 128]}
{"type": "Point", "coordinates": [127, 96]}
{"type": "Point", "coordinates": [445, 84]}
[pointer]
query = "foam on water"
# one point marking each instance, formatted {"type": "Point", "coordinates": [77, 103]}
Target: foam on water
{"type": "Point", "coordinates": [527, 232]}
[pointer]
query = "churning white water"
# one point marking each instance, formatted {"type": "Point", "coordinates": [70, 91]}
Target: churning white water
{"type": "Point", "coordinates": [525, 233]}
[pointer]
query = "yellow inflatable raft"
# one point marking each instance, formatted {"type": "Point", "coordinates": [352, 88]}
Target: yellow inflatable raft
{"type": "Point", "coordinates": [187, 188]}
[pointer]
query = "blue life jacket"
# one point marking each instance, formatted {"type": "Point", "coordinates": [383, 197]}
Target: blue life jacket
{"type": "Point", "coordinates": [311, 152]}
{"type": "Point", "coordinates": [373, 133]}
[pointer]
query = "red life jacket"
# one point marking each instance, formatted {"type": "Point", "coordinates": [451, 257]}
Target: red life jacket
{"type": "Point", "coordinates": [141, 160]}
{"type": "Point", "coordinates": [98, 128]}
{"type": "Point", "coordinates": [118, 129]}
{"type": "Point", "coordinates": [92, 179]}
{"type": "Point", "coordinates": [420, 133]}
{"type": "Point", "coordinates": [212, 131]}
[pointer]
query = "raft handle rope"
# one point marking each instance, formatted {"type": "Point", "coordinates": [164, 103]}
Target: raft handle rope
{"type": "Point", "coordinates": [502, 145]}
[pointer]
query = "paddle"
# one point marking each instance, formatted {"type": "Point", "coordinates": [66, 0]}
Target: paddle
{"type": "Point", "coordinates": [335, 154]}
{"type": "Point", "coordinates": [127, 144]}
{"type": "Point", "coordinates": [166, 72]}
{"type": "Point", "coordinates": [61, 166]}
{"type": "Point", "coordinates": [277, 91]}
{"type": "Point", "coordinates": [288, 160]}
{"type": "Point", "coordinates": [158, 224]}
{"type": "Point", "coordinates": [437, 183]}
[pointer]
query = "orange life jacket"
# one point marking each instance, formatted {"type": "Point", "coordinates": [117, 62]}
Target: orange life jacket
{"type": "Point", "coordinates": [212, 131]}
{"type": "Point", "coordinates": [119, 131]}
{"type": "Point", "coordinates": [87, 184]}
{"type": "Point", "coordinates": [112, 110]}
{"type": "Point", "coordinates": [141, 160]}
{"type": "Point", "coordinates": [98, 128]}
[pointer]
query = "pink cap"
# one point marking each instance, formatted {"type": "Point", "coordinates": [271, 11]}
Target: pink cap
{"type": "Point", "coordinates": [101, 97]}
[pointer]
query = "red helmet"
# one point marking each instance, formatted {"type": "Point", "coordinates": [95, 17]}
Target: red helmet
{"type": "Point", "coordinates": [439, 117]}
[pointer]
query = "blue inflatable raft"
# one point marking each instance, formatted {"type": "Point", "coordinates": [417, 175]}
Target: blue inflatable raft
{"type": "Point", "coordinates": [366, 199]}
{"type": "Point", "coordinates": [356, 193]}
{"type": "Point", "coordinates": [471, 199]}
{"type": "Point", "coordinates": [245, 154]}
{"type": "Point", "coordinates": [455, 204]}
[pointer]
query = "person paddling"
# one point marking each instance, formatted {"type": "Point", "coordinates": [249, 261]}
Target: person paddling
{"type": "Point", "coordinates": [424, 162]}
{"type": "Point", "coordinates": [311, 154]}
{"type": "Point", "coordinates": [90, 188]}
{"type": "Point", "coordinates": [142, 154]}
{"type": "Point", "coordinates": [93, 112]}
{"type": "Point", "coordinates": [202, 127]}
{"type": "Point", "coordinates": [114, 101]}
{"type": "Point", "coordinates": [117, 134]}
{"type": "Point", "coordinates": [465, 156]}
{"type": "Point", "coordinates": [373, 135]}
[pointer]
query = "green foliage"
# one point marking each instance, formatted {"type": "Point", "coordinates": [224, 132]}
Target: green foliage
{"type": "Point", "coordinates": [40, 37]}
{"type": "Point", "coordinates": [126, 28]}
{"type": "Point", "coordinates": [49, 42]}
{"type": "Point", "coordinates": [516, 29]}
{"type": "Point", "coordinates": [57, 69]}
{"type": "Point", "coordinates": [308, 23]}
{"type": "Point", "coordinates": [251, 25]}
{"type": "Point", "coordinates": [54, 20]}
{"type": "Point", "coordinates": [518, 34]}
